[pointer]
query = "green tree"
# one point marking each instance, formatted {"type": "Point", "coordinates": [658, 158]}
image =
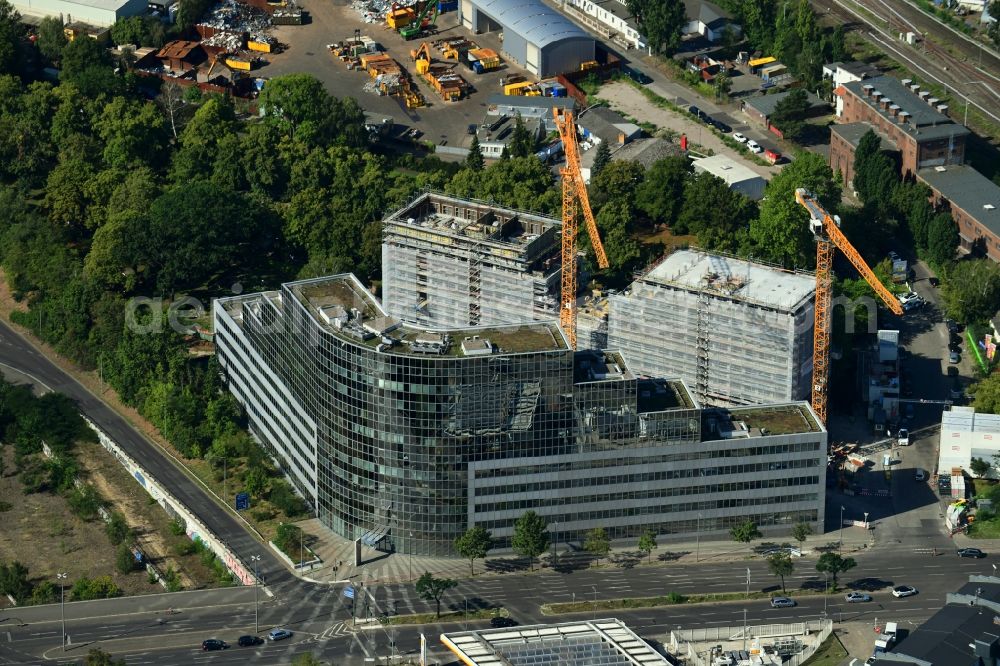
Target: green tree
{"type": "Point", "coordinates": [510, 182]}
{"type": "Point", "coordinates": [301, 109]}
{"type": "Point", "coordinates": [986, 395]}
{"type": "Point", "coordinates": [971, 290]}
{"type": "Point", "coordinates": [719, 216]}
{"type": "Point", "coordinates": [475, 160]}
{"type": "Point", "coordinates": [834, 564]}
{"type": "Point", "coordinates": [661, 21]}
{"type": "Point", "coordinates": [613, 223]}
{"type": "Point", "coordinates": [432, 589]}
{"type": "Point", "coordinates": [87, 64]}
{"type": "Point", "coordinates": [597, 543]}
{"type": "Point", "coordinates": [790, 113]}
{"type": "Point", "coordinates": [255, 481]}
{"type": "Point", "coordinates": [801, 531]}
{"type": "Point", "coordinates": [780, 233]}
{"type": "Point", "coordinates": [474, 545]}
{"type": "Point", "coordinates": [125, 560]}
{"type": "Point", "coordinates": [660, 196]}
{"type": "Point", "coordinates": [306, 660]}
{"type": "Point", "coordinates": [531, 537]}
{"type": "Point", "coordinates": [51, 38]}
{"type": "Point", "coordinates": [875, 175]}
{"type": "Point", "coordinates": [745, 532]}
{"type": "Point", "coordinates": [647, 543]}
{"type": "Point", "coordinates": [118, 529]}
{"type": "Point", "coordinates": [993, 28]}
{"type": "Point", "coordinates": [14, 581]}
{"type": "Point", "coordinates": [133, 134]}
{"type": "Point", "coordinates": [780, 564]}
{"type": "Point", "coordinates": [129, 30]}
{"type": "Point", "coordinates": [10, 36]}
{"type": "Point", "coordinates": [942, 239]}
{"type": "Point", "coordinates": [980, 467]}
{"type": "Point", "coordinates": [521, 143]}
{"type": "Point", "coordinates": [601, 159]}
{"type": "Point", "coordinates": [722, 84]}
{"type": "Point", "coordinates": [102, 587]}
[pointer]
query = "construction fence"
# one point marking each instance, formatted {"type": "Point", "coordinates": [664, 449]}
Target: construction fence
{"type": "Point", "coordinates": [685, 642]}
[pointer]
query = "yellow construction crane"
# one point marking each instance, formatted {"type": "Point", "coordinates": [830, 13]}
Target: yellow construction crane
{"type": "Point", "coordinates": [574, 200]}
{"type": "Point", "coordinates": [826, 230]}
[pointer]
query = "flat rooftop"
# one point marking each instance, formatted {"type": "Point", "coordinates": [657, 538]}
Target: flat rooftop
{"type": "Point", "coordinates": [969, 190]}
{"type": "Point", "coordinates": [442, 219]}
{"type": "Point", "coordinates": [341, 305]}
{"type": "Point", "coordinates": [588, 643]}
{"type": "Point", "coordinates": [594, 365]}
{"type": "Point", "coordinates": [852, 133]}
{"type": "Point", "coordinates": [747, 422]}
{"type": "Point", "coordinates": [726, 168]}
{"type": "Point", "coordinates": [737, 279]}
{"type": "Point", "coordinates": [660, 395]}
{"type": "Point", "coordinates": [965, 419]}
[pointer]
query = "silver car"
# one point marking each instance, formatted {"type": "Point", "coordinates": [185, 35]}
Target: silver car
{"type": "Point", "coordinates": [782, 602]}
{"type": "Point", "coordinates": [857, 597]}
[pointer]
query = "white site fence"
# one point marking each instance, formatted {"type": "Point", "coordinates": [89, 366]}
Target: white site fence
{"type": "Point", "coordinates": [682, 641]}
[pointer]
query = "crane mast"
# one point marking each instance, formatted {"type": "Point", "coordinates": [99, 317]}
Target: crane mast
{"type": "Point", "coordinates": [574, 201]}
{"type": "Point", "coordinates": [829, 237]}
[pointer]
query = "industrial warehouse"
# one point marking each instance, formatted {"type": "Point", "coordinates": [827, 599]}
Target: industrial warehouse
{"type": "Point", "coordinates": [535, 36]}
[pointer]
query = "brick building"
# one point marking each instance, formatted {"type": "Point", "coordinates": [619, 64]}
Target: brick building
{"type": "Point", "coordinates": [913, 120]}
{"type": "Point", "coordinates": [844, 140]}
{"type": "Point", "coordinates": [974, 202]}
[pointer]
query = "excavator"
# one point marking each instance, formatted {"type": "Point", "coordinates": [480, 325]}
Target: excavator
{"type": "Point", "coordinates": [574, 201]}
{"type": "Point", "coordinates": [422, 57]}
{"type": "Point", "coordinates": [421, 23]}
{"type": "Point", "coordinates": [829, 237]}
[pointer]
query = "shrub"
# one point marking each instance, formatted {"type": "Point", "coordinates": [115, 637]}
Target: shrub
{"type": "Point", "coordinates": [118, 529]}
{"type": "Point", "coordinates": [185, 548]}
{"type": "Point", "coordinates": [675, 598]}
{"type": "Point", "coordinates": [101, 587]}
{"type": "Point", "coordinates": [288, 539]}
{"type": "Point", "coordinates": [177, 527]}
{"type": "Point", "coordinates": [284, 498]}
{"type": "Point", "coordinates": [45, 592]}
{"type": "Point", "coordinates": [173, 582]}
{"type": "Point", "coordinates": [125, 559]}
{"type": "Point", "coordinates": [84, 501]}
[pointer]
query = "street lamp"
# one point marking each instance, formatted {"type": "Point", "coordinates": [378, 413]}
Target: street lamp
{"type": "Point", "coordinates": [62, 606]}
{"type": "Point", "coordinates": [840, 544]}
{"type": "Point", "coordinates": [594, 588]}
{"type": "Point", "coordinates": [866, 520]}
{"type": "Point", "coordinates": [256, 582]}
{"type": "Point", "coordinates": [966, 121]}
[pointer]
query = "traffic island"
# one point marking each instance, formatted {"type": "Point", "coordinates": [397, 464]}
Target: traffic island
{"type": "Point", "coordinates": [671, 599]}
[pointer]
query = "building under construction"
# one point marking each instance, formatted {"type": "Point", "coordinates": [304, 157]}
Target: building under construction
{"type": "Point", "coordinates": [454, 262]}
{"type": "Point", "coordinates": [736, 332]}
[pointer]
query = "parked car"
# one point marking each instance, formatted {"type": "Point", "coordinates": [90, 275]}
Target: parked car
{"type": "Point", "coordinates": [971, 552]}
{"type": "Point", "coordinates": [933, 281]}
{"type": "Point", "coordinates": [953, 326]}
{"type": "Point", "coordinates": [921, 475]}
{"type": "Point", "coordinates": [500, 622]}
{"type": "Point", "coordinates": [901, 591]}
{"type": "Point", "coordinates": [278, 634]}
{"type": "Point", "coordinates": [909, 411]}
{"type": "Point", "coordinates": [957, 392]}
{"type": "Point", "coordinates": [903, 437]}
{"type": "Point", "coordinates": [739, 138]}
{"type": "Point", "coordinates": [213, 644]}
{"type": "Point", "coordinates": [772, 156]}
{"type": "Point", "coordinates": [893, 255]}
{"type": "Point", "coordinates": [857, 597]}
{"type": "Point", "coordinates": [694, 111]}
{"type": "Point", "coordinates": [249, 641]}
{"type": "Point", "coordinates": [722, 127]}
{"type": "Point", "coordinates": [954, 357]}
{"type": "Point", "coordinates": [782, 602]}
{"type": "Point", "coordinates": [754, 147]}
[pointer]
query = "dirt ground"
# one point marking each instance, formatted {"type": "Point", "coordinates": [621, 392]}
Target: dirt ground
{"type": "Point", "coordinates": [629, 101]}
{"type": "Point", "coordinates": [41, 533]}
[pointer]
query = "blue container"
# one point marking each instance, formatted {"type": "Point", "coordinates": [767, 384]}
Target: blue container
{"type": "Point", "coordinates": [447, 6]}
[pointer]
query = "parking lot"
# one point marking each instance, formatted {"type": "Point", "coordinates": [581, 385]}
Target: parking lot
{"type": "Point", "coordinates": [444, 123]}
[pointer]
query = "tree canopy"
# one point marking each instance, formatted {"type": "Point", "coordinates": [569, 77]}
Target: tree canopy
{"type": "Point", "coordinates": [661, 21]}
{"type": "Point", "coordinates": [531, 537]}
{"type": "Point", "coordinates": [971, 290]}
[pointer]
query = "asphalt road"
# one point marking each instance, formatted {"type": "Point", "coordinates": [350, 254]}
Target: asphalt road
{"type": "Point", "coordinates": [320, 617]}
{"type": "Point", "coordinates": [16, 353]}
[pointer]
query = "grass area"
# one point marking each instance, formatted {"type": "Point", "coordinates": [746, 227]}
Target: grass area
{"type": "Point", "coordinates": [830, 653]}
{"type": "Point", "coordinates": [669, 240]}
{"type": "Point", "coordinates": [981, 486]}
{"type": "Point", "coordinates": [985, 529]}
{"type": "Point", "coordinates": [671, 599]}
{"type": "Point", "coordinates": [450, 616]}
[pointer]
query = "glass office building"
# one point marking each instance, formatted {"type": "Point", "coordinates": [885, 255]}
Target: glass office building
{"type": "Point", "coordinates": [403, 437]}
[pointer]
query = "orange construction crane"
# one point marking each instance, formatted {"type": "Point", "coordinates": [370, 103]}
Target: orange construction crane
{"type": "Point", "coordinates": [574, 199]}
{"type": "Point", "coordinates": [826, 230]}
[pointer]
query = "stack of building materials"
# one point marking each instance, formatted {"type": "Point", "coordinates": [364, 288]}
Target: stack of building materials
{"type": "Point", "coordinates": [957, 484]}
{"type": "Point", "coordinates": [452, 49]}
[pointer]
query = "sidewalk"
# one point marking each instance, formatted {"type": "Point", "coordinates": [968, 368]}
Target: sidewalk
{"type": "Point", "coordinates": [338, 556]}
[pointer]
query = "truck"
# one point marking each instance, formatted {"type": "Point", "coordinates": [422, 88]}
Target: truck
{"type": "Point", "coordinates": [886, 639]}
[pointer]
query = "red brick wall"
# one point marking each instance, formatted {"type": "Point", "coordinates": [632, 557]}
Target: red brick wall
{"type": "Point", "coordinates": [970, 231]}
{"type": "Point", "coordinates": [842, 158]}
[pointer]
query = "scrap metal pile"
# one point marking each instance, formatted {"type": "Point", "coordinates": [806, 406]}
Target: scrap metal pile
{"type": "Point", "coordinates": [374, 11]}
{"type": "Point", "coordinates": [236, 17]}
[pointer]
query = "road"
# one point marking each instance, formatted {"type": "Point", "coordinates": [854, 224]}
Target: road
{"type": "Point", "coordinates": [16, 353]}
{"type": "Point", "coordinates": [962, 76]}
{"type": "Point", "coordinates": [321, 621]}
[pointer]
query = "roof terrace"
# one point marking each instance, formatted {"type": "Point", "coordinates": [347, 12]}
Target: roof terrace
{"type": "Point", "coordinates": [746, 422]}
{"type": "Point", "coordinates": [341, 305]}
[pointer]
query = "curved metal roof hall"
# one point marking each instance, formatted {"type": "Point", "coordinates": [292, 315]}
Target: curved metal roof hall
{"type": "Point", "coordinates": [538, 23]}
